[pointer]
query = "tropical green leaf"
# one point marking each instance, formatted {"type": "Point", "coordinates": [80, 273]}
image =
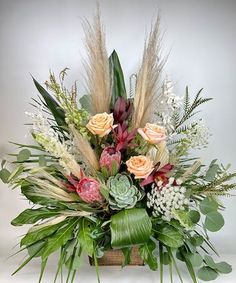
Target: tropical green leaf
{"type": "Point", "coordinates": [208, 205]}
{"type": "Point", "coordinates": [84, 237]}
{"type": "Point", "coordinates": [36, 235]}
{"type": "Point", "coordinates": [30, 216]}
{"type": "Point", "coordinates": [169, 235]}
{"type": "Point", "coordinates": [117, 78]}
{"type": "Point", "coordinates": [37, 246]}
{"type": "Point", "coordinates": [60, 238]}
{"type": "Point", "coordinates": [130, 227]}
{"type": "Point", "coordinates": [214, 221]}
{"type": "Point", "coordinates": [52, 105]}
{"type": "Point", "coordinates": [207, 274]}
{"type": "Point", "coordinates": [146, 253]}
{"type": "Point", "coordinates": [23, 155]}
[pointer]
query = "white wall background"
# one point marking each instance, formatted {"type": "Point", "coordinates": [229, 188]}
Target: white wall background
{"type": "Point", "coordinates": [38, 35]}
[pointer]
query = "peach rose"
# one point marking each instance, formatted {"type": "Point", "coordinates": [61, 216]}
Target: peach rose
{"type": "Point", "coordinates": [101, 124]}
{"type": "Point", "coordinates": [153, 133]}
{"type": "Point", "coordinates": [141, 166]}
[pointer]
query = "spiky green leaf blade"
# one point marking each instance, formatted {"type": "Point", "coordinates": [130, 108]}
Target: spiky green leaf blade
{"type": "Point", "coordinates": [52, 105]}
{"type": "Point", "coordinates": [117, 78]}
{"type": "Point", "coordinates": [84, 238]}
{"type": "Point", "coordinates": [130, 227]}
{"type": "Point", "coordinates": [30, 216]}
{"type": "Point", "coordinates": [59, 239]}
{"type": "Point", "coordinates": [34, 236]}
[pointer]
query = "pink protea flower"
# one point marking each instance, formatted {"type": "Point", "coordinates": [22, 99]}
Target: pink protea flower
{"type": "Point", "coordinates": [110, 160]}
{"type": "Point", "coordinates": [89, 190]}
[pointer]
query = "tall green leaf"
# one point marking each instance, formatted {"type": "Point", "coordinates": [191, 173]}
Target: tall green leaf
{"type": "Point", "coordinates": [30, 216]}
{"type": "Point", "coordinates": [130, 227]}
{"type": "Point", "coordinates": [52, 105]}
{"type": "Point", "coordinates": [34, 236]}
{"type": "Point", "coordinates": [60, 238]}
{"type": "Point", "coordinates": [146, 253]}
{"type": "Point", "coordinates": [117, 78]}
{"type": "Point", "coordinates": [84, 237]}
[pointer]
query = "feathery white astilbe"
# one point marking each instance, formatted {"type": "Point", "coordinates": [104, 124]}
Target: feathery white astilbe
{"type": "Point", "coordinates": [46, 136]}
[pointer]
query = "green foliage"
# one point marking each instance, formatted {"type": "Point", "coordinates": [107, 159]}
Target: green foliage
{"type": "Point", "coordinates": [196, 259]}
{"type": "Point", "coordinates": [146, 253]}
{"type": "Point", "coordinates": [207, 274]}
{"type": "Point", "coordinates": [34, 235]}
{"type": "Point", "coordinates": [130, 227]}
{"type": "Point", "coordinates": [85, 102]}
{"type": "Point", "coordinates": [169, 235]}
{"type": "Point", "coordinates": [52, 105]}
{"type": "Point", "coordinates": [214, 221]}
{"type": "Point", "coordinates": [208, 205]}
{"type": "Point", "coordinates": [117, 78]}
{"type": "Point", "coordinates": [30, 216]}
{"type": "Point", "coordinates": [4, 175]}
{"type": "Point", "coordinates": [59, 239]}
{"type": "Point", "coordinates": [188, 109]}
{"type": "Point", "coordinates": [184, 218]}
{"type": "Point", "coordinates": [123, 194]}
{"type": "Point", "coordinates": [23, 155]}
{"type": "Point", "coordinates": [84, 237]}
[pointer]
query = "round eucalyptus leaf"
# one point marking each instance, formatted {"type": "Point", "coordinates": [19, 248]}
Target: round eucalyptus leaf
{"type": "Point", "coordinates": [23, 155]}
{"type": "Point", "coordinates": [194, 215]}
{"type": "Point", "coordinates": [4, 175]}
{"type": "Point", "coordinates": [196, 259]}
{"type": "Point", "coordinates": [207, 274]}
{"type": "Point", "coordinates": [197, 240]}
{"type": "Point", "coordinates": [208, 205]}
{"type": "Point", "coordinates": [214, 221]}
{"type": "Point", "coordinates": [210, 262]}
{"type": "Point", "coordinates": [224, 267]}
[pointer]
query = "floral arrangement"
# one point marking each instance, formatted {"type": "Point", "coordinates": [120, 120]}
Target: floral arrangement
{"type": "Point", "coordinates": [118, 170]}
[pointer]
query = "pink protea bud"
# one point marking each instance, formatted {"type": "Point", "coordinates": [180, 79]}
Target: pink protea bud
{"type": "Point", "coordinates": [89, 190]}
{"type": "Point", "coordinates": [110, 161]}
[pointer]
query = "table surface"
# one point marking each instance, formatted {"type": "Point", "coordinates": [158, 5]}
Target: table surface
{"type": "Point", "coordinates": [86, 273]}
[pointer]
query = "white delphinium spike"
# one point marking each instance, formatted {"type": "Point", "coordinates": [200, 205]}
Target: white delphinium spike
{"type": "Point", "coordinates": [46, 136]}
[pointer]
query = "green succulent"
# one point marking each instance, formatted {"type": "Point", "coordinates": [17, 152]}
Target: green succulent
{"type": "Point", "coordinates": [122, 192]}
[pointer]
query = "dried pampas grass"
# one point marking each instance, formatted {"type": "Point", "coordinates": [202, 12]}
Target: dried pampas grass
{"type": "Point", "coordinates": [149, 78]}
{"type": "Point", "coordinates": [97, 66]}
{"type": "Point", "coordinates": [87, 153]}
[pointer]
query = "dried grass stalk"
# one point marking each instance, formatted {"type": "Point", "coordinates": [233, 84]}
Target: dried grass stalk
{"type": "Point", "coordinates": [87, 153]}
{"type": "Point", "coordinates": [97, 66]}
{"type": "Point", "coordinates": [191, 170]}
{"type": "Point", "coordinates": [149, 78]}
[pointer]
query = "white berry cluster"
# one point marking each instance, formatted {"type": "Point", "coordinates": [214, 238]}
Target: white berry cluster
{"type": "Point", "coordinates": [164, 199]}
